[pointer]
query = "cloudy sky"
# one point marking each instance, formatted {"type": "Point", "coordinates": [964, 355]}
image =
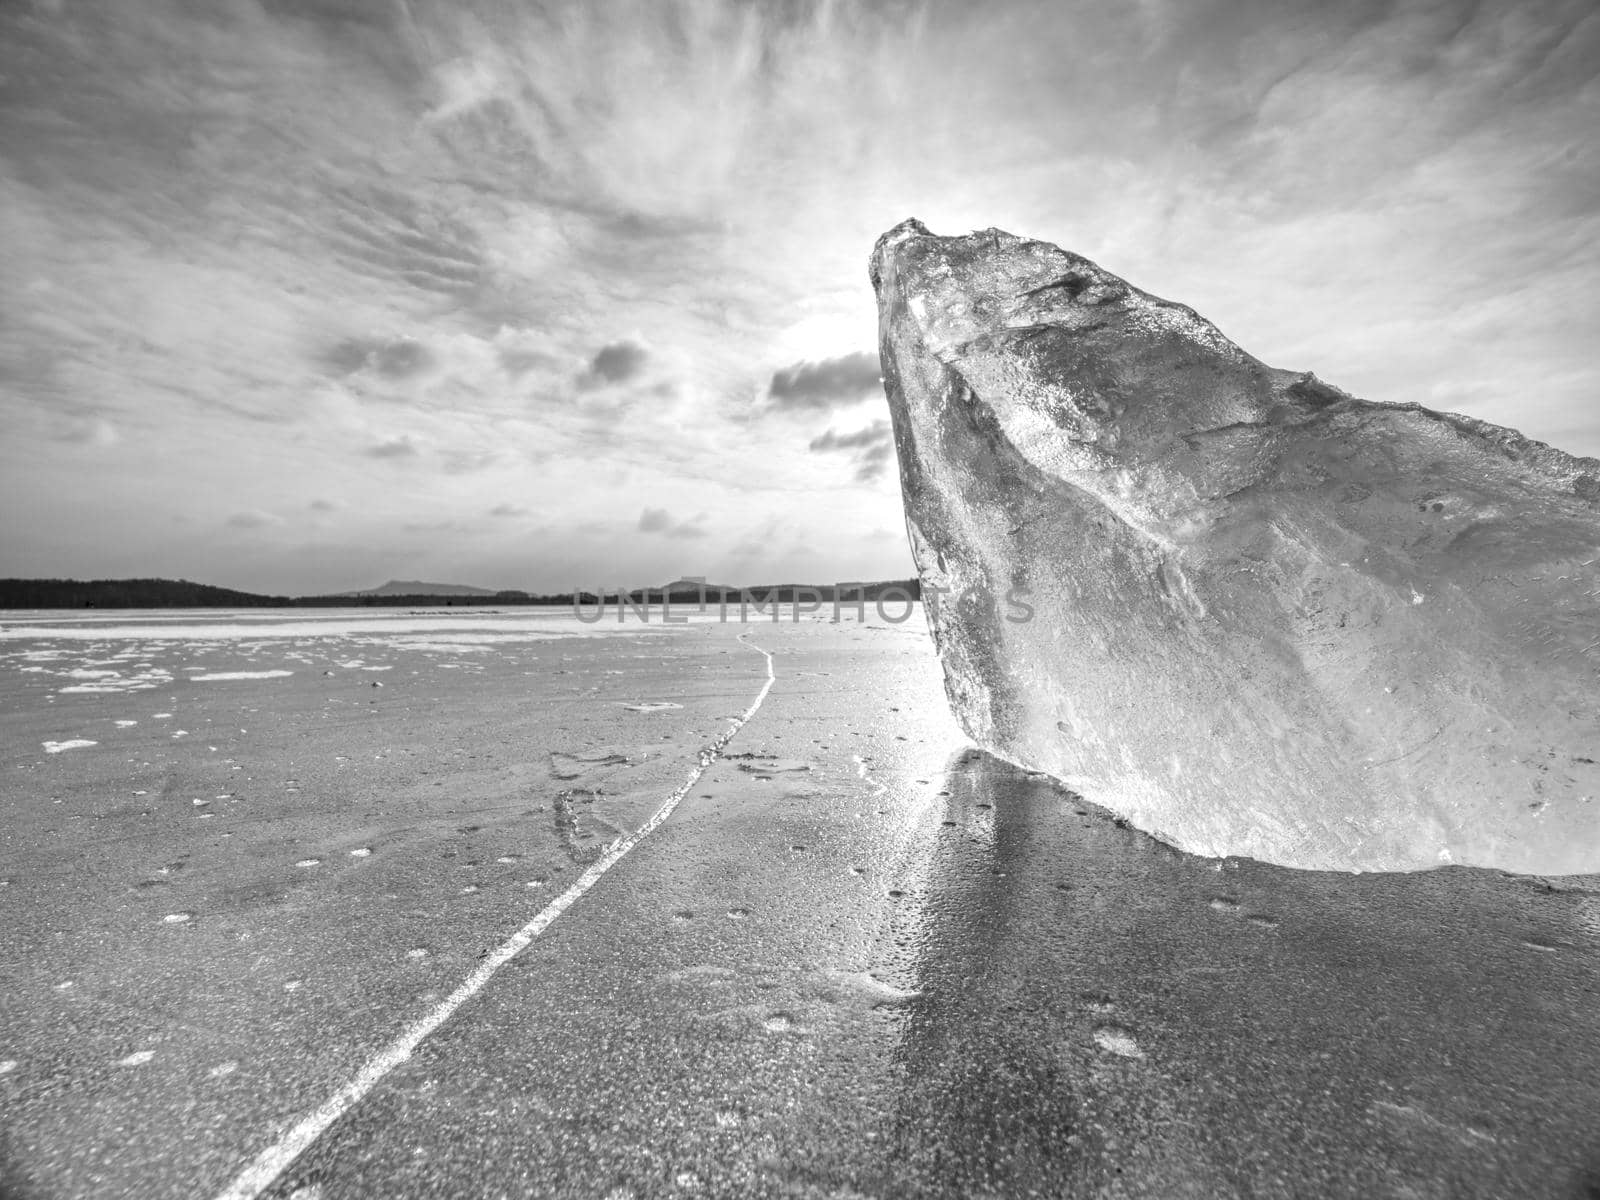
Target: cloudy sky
{"type": "Point", "coordinates": [300, 295]}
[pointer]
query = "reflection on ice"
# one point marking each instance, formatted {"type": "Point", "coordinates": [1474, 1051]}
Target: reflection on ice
{"type": "Point", "coordinates": [1099, 1013]}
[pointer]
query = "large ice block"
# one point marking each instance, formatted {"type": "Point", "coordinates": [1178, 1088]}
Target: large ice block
{"type": "Point", "coordinates": [1253, 614]}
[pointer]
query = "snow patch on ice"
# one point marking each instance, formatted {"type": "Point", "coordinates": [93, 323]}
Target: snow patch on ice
{"type": "Point", "coordinates": [242, 675]}
{"type": "Point", "coordinates": [1118, 1041]}
{"type": "Point", "coordinates": [533, 627]}
{"type": "Point", "coordinates": [108, 682]}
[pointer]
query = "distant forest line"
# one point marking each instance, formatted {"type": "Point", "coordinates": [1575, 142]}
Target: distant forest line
{"type": "Point", "coordinates": [180, 593]}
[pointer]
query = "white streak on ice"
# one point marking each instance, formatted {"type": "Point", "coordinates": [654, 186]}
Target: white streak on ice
{"type": "Point", "coordinates": [271, 1162]}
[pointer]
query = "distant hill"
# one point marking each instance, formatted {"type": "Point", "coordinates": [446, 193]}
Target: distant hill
{"type": "Point", "coordinates": [397, 593]}
{"type": "Point", "coordinates": [689, 587]}
{"type": "Point", "coordinates": [127, 593]}
{"type": "Point", "coordinates": [415, 587]}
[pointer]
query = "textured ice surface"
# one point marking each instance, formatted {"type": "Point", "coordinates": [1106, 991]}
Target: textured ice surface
{"type": "Point", "coordinates": [1250, 612]}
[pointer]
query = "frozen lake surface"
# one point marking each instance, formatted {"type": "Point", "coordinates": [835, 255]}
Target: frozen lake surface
{"type": "Point", "coordinates": [243, 853]}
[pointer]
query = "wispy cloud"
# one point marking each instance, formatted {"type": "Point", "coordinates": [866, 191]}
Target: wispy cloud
{"type": "Point", "coordinates": [827, 384]}
{"type": "Point", "coordinates": [617, 250]}
{"type": "Point", "coordinates": [660, 521]}
{"type": "Point", "coordinates": [253, 519]}
{"type": "Point", "coordinates": [397, 358]}
{"type": "Point", "coordinates": [617, 362]}
{"type": "Point", "coordinates": [871, 449]}
{"type": "Point", "coordinates": [873, 464]}
{"type": "Point", "coordinates": [401, 447]}
{"type": "Point", "coordinates": [447, 526]}
{"type": "Point", "coordinates": [90, 431]}
{"type": "Point", "coordinates": [874, 435]}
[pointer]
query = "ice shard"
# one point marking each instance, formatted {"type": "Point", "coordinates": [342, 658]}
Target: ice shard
{"type": "Point", "coordinates": [1247, 611]}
